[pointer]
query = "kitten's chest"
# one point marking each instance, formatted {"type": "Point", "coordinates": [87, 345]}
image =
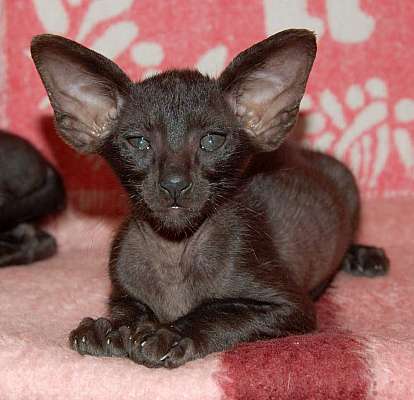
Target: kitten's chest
{"type": "Point", "coordinates": [172, 280]}
{"type": "Point", "coordinates": [174, 277]}
{"type": "Point", "coordinates": [173, 290]}
{"type": "Point", "coordinates": [173, 296]}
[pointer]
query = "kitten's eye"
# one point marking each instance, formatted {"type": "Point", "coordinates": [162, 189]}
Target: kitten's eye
{"type": "Point", "coordinates": [140, 143]}
{"type": "Point", "coordinates": [212, 141]}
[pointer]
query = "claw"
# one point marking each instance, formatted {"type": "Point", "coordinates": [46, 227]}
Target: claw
{"type": "Point", "coordinates": [108, 341]}
{"type": "Point", "coordinates": [165, 356]}
{"type": "Point", "coordinates": [75, 341]}
{"type": "Point", "coordinates": [142, 344]}
{"type": "Point", "coordinates": [83, 339]}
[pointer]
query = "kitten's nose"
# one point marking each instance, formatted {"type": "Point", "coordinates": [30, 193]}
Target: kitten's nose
{"type": "Point", "coordinates": [175, 185]}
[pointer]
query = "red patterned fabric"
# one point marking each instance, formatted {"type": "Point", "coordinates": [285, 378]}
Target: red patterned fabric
{"type": "Point", "coordinates": [359, 106]}
{"type": "Point", "coordinates": [360, 100]}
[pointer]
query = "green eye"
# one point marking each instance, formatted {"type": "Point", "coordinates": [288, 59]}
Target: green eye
{"type": "Point", "coordinates": [140, 143]}
{"type": "Point", "coordinates": [212, 141]}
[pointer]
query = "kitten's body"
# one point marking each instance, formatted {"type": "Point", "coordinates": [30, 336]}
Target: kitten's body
{"type": "Point", "coordinates": [30, 188]}
{"type": "Point", "coordinates": [287, 202]}
{"type": "Point", "coordinates": [231, 233]}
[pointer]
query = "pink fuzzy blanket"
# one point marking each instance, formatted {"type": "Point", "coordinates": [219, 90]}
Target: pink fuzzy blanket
{"type": "Point", "coordinates": [359, 106]}
{"type": "Point", "coordinates": [364, 348]}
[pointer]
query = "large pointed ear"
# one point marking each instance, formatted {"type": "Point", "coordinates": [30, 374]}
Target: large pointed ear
{"type": "Point", "coordinates": [86, 90]}
{"type": "Point", "coordinates": [265, 84]}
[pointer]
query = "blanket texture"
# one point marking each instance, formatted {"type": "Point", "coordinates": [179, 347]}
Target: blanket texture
{"type": "Point", "coordinates": [364, 348]}
{"type": "Point", "coordinates": [359, 106]}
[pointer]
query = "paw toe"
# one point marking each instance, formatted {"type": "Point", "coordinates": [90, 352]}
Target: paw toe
{"type": "Point", "coordinates": [114, 345]}
{"type": "Point", "coordinates": [96, 337]}
{"type": "Point", "coordinates": [179, 354]}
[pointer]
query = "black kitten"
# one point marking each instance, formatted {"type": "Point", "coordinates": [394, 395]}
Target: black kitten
{"type": "Point", "coordinates": [231, 233]}
{"type": "Point", "coordinates": [30, 188]}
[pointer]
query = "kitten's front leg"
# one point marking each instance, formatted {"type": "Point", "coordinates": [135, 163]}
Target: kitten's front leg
{"type": "Point", "coordinates": [221, 324]}
{"type": "Point", "coordinates": [113, 337]}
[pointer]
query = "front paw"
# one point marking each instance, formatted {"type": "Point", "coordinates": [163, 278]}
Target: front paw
{"type": "Point", "coordinates": [161, 347]}
{"type": "Point", "coordinates": [98, 338]}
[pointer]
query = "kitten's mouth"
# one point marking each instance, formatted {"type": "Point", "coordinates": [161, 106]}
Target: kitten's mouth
{"type": "Point", "coordinates": [175, 205]}
{"type": "Point", "coordinates": [176, 218]}
{"type": "Point", "coordinates": [176, 208]}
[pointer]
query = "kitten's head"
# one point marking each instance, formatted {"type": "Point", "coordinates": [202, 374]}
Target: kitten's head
{"type": "Point", "coordinates": [179, 141]}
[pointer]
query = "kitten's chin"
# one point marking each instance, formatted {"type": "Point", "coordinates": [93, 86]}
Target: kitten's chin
{"type": "Point", "coordinates": [177, 221]}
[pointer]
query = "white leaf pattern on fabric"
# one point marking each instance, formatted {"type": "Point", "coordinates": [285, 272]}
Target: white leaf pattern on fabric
{"type": "Point", "coordinates": [315, 122]}
{"type": "Point", "coordinates": [101, 10]}
{"type": "Point", "coordinates": [366, 156]}
{"type": "Point", "coordinates": [52, 15]}
{"type": "Point", "coordinates": [147, 54]}
{"type": "Point", "coordinates": [405, 147]}
{"type": "Point", "coordinates": [348, 23]}
{"type": "Point", "coordinates": [213, 61]}
{"type": "Point", "coordinates": [376, 88]}
{"type": "Point", "coordinates": [44, 103]}
{"type": "Point", "coordinates": [324, 142]}
{"type": "Point", "coordinates": [368, 118]}
{"type": "Point", "coordinates": [361, 125]}
{"type": "Point", "coordinates": [404, 110]}
{"type": "Point", "coordinates": [333, 108]}
{"type": "Point", "coordinates": [116, 39]}
{"type": "Point", "coordinates": [355, 97]}
{"type": "Point", "coordinates": [287, 14]}
{"type": "Point", "coordinates": [366, 140]}
{"type": "Point", "coordinates": [306, 103]}
{"type": "Point", "coordinates": [381, 153]}
{"type": "Point", "coordinates": [356, 158]}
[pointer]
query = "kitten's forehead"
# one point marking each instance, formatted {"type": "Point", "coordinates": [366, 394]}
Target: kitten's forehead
{"type": "Point", "coordinates": [175, 102]}
{"type": "Point", "coordinates": [178, 92]}
{"type": "Point", "coordinates": [177, 81]}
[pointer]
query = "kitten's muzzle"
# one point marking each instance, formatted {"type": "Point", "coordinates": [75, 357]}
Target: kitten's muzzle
{"type": "Point", "coordinates": [175, 186]}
